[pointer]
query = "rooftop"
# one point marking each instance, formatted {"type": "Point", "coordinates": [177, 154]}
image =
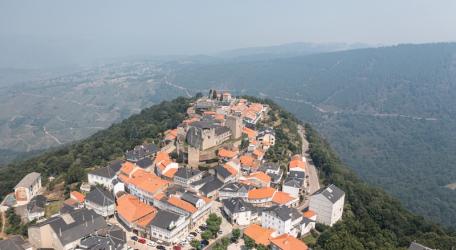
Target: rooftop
{"type": "Point", "coordinates": [288, 242]}
{"type": "Point", "coordinates": [28, 180]}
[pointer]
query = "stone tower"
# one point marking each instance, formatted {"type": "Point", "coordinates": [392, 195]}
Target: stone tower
{"type": "Point", "coordinates": [235, 125]}
{"type": "Point", "coordinates": [193, 156]}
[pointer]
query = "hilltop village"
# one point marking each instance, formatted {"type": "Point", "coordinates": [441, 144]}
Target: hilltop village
{"type": "Point", "coordinates": [209, 183]}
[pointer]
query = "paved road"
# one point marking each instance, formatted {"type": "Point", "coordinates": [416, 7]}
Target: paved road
{"type": "Point", "coordinates": [313, 181]}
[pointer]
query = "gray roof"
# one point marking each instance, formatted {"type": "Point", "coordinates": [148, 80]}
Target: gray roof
{"type": "Point", "coordinates": [28, 180]}
{"type": "Point", "coordinates": [100, 197]}
{"type": "Point", "coordinates": [271, 166]}
{"type": "Point", "coordinates": [164, 219]}
{"type": "Point", "coordinates": [144, 163]}
{"type": "Point", "coordinates": [332, 193]}
{"type": "Point", "coordinates": [212, 184]}
{"type": "Point", "coordinates": [106, 172]}
{"type": "Point", "coordinates": [140, 152]}
{"type": "Point", "coordinates": [116, 165]}
{"type": "Point", "coordinates": [221, 130]}
{"type": "Point", "coordinates": [109, 171]}
{"type": "Point", "coordinates": [236, 205]}
{"type": "Point", "coordinates": [283, 212]}
{"type": "Point", "coordinates": [74, 225]}
{"type": "Point", "coordinates": [293, 182]}
{"type": "Point", "coordinates": [418, 246]}
{"type": "Point", "coordinates": [36, 204]}
{"type": "Point", "coordinates": [223, 172]}
{"type": "Point", "coordinates": [186, 173]}
{"type": "Point", "coordinates": [296, 174]}
{"type": "Point", "coordinates": [14, 243]}
{"type": "Point", "coordinates": [191, 198]}
{"type": "Point", "coordinates": [236, 187]}
{"type": "Point", "coordinates": [112, 237]}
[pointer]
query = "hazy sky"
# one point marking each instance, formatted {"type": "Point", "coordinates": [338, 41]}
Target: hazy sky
{"type": "Point", "coordinates": [65, 32]}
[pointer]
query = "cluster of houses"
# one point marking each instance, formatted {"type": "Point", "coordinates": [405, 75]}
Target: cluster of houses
{"type": "Point", "coordinates": [164, 192]}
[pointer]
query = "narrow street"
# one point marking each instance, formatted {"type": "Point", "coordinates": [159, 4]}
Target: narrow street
{"type": "Point", "coordinates": [312, 173]}
{"type": "Point", "coordinates": [3, 224]}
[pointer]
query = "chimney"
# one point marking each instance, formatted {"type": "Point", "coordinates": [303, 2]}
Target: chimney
{"type": "Point", "coordinates": [60, 231]}
{"type": "Point", "coordinates": [92, 219]}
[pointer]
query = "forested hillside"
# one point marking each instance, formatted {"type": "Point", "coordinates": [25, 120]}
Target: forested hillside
{"type": "Point", "coordinates": [389, 112]}
{"type": "Point", "coordinates": [100, 148]}
{"type": "Point", "coordinates": [372, 219]}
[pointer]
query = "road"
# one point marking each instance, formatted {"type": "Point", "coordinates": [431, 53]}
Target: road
{"type": "Point", "coordinates": [312, 173]}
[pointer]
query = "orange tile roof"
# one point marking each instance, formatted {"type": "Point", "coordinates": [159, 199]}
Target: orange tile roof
{"type": "Point", "coordinates": [146, 181]}
{"type": "Point", "coordinates": [282, 198]}
{"type": "Point", "coordinates": [261, 193]}
{"type": "Point", "coordinates": [127, 167]}
{"type": "Point", "coordinates": [171, 134]}
{"type": "Point", "coordinates": [209, 113]}
{"type": "Point", "coordinates": [71, 202]}
{"type": "Point", "coordinates": [249, 132]}
{"type": "Point", "coordinates": [225, 153]}
{"type": "Point", "coordinates": [258, 152]}
{"type": "Point", "coordinates": [220, 117]}
{"type": "Point", "coordinates": [134, 211]}
{"type": "Point", "coordinates": [288, 242]}
{"type": "Point", "coordinates": [259, 234]}
{"type": "Point", "coordinates": [260, 176]}
{"type": "Point", "coordinates": [170, 173]}
{"type": "Point", "coordinates": [182, 204]}
{"type": "Point", "coordinates": [230, 169]}
{"type": "Point", "coordinates": [77, 196]}
{"type": "Point", "coordinates": [309, 214]}
{"type": "Point", "coordinates": [161, 156]}
{"type": "Point", "coordinates": [159, 196]}
{"type": "Point", "coordinates": [297, 163]}
{"type": "Point", "coordinates": [247, 160]}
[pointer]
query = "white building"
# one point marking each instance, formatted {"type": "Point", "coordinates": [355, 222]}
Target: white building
{"type": "Point", "coordinates": [28, 188]}
{"type": "Point", "coordinates": [239, 211]}
{"type": "Point", "coordinates": [35, 208]}
{"type": "Point", "coordinates": [105, 176]}
{"type": "Point", "coordinates": [101, 201]}
{"type": "Point", "coordinates": [282, 219]}
{"type": "Point", "coordinates": [294, 183]}
{"type": "Point", "coordinates": [169, 227]}
{"type": "Point", "coordinates": [328, 203]}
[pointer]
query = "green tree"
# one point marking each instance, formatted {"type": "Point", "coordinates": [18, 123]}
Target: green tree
{"type": "Point", "coordinates": [195, 244]}
{"type": "Point", "coordinates": [236, 233]}
{"type": "Point", "coordinates": [206, 235]}
{"type": "Point", "coordinates": [248, 242]}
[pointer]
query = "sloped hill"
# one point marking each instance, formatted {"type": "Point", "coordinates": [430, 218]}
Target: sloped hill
{"type": "Point", "coordinates": [389, 112]}
{"type": "Point", "coordinates": [372, 220]}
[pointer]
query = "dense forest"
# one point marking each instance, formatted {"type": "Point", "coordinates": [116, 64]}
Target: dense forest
{"type": "Point", "coordinates": [372, 219]}
{"type": "Point", "coordinates": [100, 148]}
{"type": "Point", "coordinates": [389, 112]}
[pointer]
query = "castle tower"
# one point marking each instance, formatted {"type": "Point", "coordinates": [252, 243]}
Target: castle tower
{"type": "Point", "coordinates": [235, 125]}
{"type": "Point", "coordinates": [193, 156]}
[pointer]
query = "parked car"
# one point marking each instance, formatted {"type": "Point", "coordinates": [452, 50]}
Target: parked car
{"type": "Point", "coordinates": [151, 244]}
{"type": "Point", "coordinates": [194, 234]}
{"type": "Point", "coordinates": [220, 232]}
{"type": "Point", "coordinates": [142, 241]}
{"type": "Point", "coordinates": [135, 238]}
{"type": "Point", "coordinates": [161, 247]}
{"type": "Point", "coordinates": [204, 242]}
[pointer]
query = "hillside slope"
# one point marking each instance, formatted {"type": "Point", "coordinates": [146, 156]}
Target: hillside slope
{"type": "Point", "coordinates": [389, 112]}
{"type": "Point", "coordinates": [372, 219]}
